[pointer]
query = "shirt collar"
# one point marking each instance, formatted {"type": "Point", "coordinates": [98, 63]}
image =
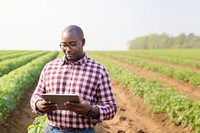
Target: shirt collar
{"type": "Point", "coordinates": [79, 62]}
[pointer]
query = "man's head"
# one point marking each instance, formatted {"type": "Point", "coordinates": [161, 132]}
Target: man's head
{"type": "Point", "coordinates": [72, 42]}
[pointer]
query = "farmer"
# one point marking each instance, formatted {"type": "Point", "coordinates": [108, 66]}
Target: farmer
{"type": "Point", "coordinates": [75, 73]}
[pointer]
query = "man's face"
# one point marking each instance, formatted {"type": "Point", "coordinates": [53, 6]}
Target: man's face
{"type": "Point", "coordinates": [72, 45]}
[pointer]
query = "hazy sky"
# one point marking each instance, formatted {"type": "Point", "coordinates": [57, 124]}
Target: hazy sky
{"type": "Point", "coordinates": [107, 24]}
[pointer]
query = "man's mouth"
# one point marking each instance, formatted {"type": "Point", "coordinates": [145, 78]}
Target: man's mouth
{"type": "Point", "coordinates": [69, 55]}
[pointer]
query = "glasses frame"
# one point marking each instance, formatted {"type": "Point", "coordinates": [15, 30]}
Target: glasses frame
{"type": "Point", "coordinates": [69, 45]}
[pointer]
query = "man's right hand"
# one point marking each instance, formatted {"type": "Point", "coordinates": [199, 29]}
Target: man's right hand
{"type": "Point", "coordinates": [46, 106]}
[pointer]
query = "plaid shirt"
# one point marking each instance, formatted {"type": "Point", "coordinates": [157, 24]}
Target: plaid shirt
{"type": "Point", "coordinates": [88, 79]}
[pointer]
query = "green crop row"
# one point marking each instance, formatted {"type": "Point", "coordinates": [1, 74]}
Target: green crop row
{"type": "Point", "coordinates": [6, 52]}
{"type": "Point", "coordinates": [16, 82]}
{"type": "Point", "coordinates": [13, 63]}
{"type": "Point", "coordinates": [169, 59]}
{"type": "Point", "coordinates": [191, 54]}
{"type": "Point", "coordinates": [183, 75]}
{"type": "Point", "coordinates": [14, 54]}
{"type": "Point", "coordinates": [179, 108]}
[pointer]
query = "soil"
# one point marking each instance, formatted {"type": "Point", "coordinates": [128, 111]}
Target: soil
{"type": "Point", "coordinates": [132, 115]}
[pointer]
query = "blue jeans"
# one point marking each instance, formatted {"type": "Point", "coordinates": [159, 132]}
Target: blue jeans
{"type": "Point", "coordinates": [49, 129]}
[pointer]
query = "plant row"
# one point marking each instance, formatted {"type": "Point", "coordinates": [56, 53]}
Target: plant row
{"type": "Point", "coordinates": [13, 63]}
{"type": "Point", "coordinates": [191, 54]}
{"type": "Point", "coordinates": [13, 85]}
{"type": "Point", "coordinates": [14, 55]}
{"type": "Point", "coordinates": [5, 52]}
{"type": "Point", "coordinates": [180, 74]}
{"type": "Point", "coordinates": [180, 109]}
{"type": "Point", "coordinates": [169, 59]}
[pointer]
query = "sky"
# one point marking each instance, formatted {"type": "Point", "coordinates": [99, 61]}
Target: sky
{"type": "Point", "coordinates": [107, 24]}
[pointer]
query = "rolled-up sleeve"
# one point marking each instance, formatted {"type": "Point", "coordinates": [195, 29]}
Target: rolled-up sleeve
{"type": "Point", "coordinates": [107, 103]}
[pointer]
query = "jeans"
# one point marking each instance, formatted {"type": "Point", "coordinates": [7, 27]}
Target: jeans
{"type": "Point", "coordinates": [49, 129]}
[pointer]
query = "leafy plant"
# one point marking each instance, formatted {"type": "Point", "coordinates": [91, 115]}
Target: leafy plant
{"type": "Point", "coordinates": [38, 125]}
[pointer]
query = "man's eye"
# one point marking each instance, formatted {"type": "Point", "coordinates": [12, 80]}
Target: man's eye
{"type": "Point", "coordinates": [72, 44]}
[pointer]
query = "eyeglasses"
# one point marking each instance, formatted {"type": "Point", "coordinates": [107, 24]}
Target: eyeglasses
{"type": "Point", "coordinates": [70, 44]}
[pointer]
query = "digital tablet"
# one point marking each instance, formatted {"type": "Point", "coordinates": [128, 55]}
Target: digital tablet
{"type": "Point", "coordinates": [60, 99]}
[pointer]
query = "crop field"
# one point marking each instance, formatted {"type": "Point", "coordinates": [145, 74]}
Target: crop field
{"type": "Point", "coordinates": [157, 91]}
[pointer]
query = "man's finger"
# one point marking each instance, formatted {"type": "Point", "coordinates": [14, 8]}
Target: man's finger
{"type": "Point", "coordinates": [47, 102]}
{"type": "Point", "coordinates": [71, 104]}
{"type": "Point", "coordinates": [49, 108]}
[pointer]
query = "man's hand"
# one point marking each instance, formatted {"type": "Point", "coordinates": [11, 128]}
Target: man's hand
{"type": "Point", "coordinates": [46, 106]}
{"type": "Point", "coordinates": [82, 108]}
{"type": "Point", "coordinates": [79, 108]}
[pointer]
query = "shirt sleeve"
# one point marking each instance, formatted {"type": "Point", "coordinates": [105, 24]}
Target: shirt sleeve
{"type": "Point", "coordinates": [107, 103]}
{"type": "Point", "coordinates": [39, 90]}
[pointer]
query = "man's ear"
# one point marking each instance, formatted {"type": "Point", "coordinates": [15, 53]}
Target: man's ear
{"type": "Point", "coordinates": [83, 42]}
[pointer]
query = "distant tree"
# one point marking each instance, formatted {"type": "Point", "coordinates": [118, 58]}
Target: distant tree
{"type": "Point", "coordinates": [180, 40]}
{"type": "Point", "coordinates": [164, 41]}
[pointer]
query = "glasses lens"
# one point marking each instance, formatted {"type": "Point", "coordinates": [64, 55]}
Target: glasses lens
{"type": "Point", "coordinates": [73, 44]}
{"type": "Point", "coordinates": [70, 44]}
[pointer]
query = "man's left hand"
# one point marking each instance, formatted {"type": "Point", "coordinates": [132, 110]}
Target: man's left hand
{"type": "Point", "coordinates": [79, 108]}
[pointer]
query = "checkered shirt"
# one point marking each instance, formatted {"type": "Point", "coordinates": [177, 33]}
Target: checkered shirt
{"type": "Point", "coordinates": [88, 79]}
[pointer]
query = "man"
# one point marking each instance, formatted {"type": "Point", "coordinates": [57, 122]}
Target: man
{"type": "Point", "coordinates": [75, 73]}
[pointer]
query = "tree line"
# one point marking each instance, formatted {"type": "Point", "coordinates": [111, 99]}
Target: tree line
{"type": "Point", "coordinates": [165, 41]}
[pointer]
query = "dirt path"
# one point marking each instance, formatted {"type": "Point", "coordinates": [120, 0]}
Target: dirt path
{"type": "Point", "coordinates": [132, 117]}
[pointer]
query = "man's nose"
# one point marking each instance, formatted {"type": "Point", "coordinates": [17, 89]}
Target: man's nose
{"type": "Point", "coordinates": [68, 49]}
